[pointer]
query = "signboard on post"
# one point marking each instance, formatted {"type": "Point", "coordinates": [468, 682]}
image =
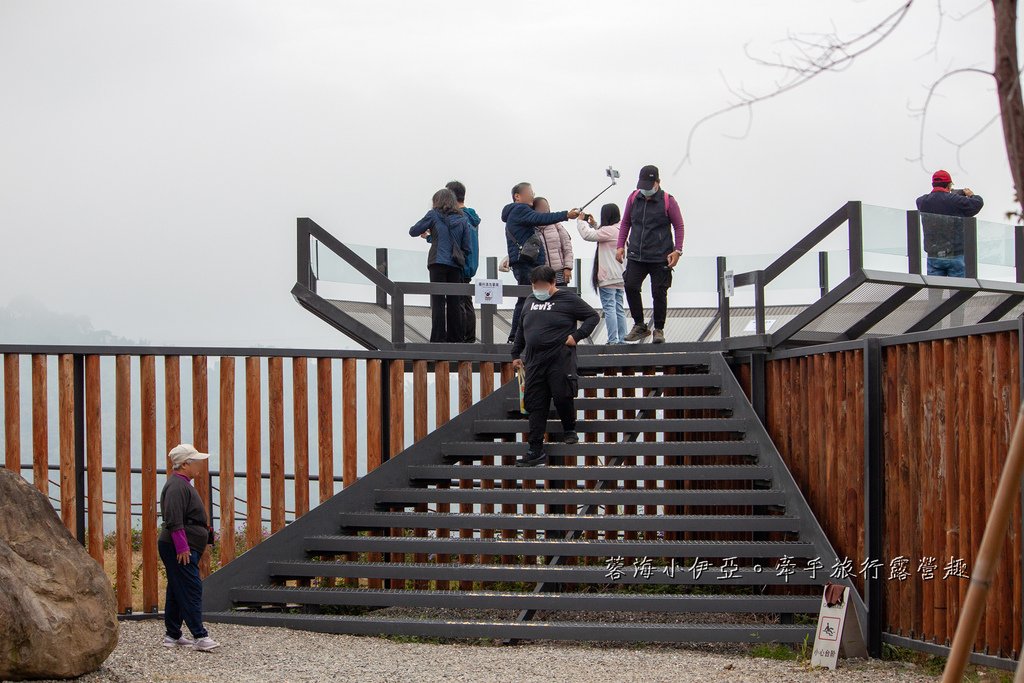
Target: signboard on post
{"type": "Point", "coordinates": [730, 283]}
{"type": "Point", "coordinates": [488, 292]}
{"type": "Point", "coordinates": [832, 636]}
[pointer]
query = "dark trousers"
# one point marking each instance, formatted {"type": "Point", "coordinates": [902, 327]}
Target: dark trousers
{"type": "Point", "coordinates": [445, 310]}
{"type": "Point", "coordinates": [547, 381]}
{"type": "Point", "coordinates": [468, 316]}
{"type": "Point", "coordinates": [184, 600]}
{"type": "Point", "coordinates": [661, 280]}
{"type": "Point", "coordinates": [521, 271]}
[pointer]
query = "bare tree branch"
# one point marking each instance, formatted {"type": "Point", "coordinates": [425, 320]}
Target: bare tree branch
{"type": "Point", "coordinates": [818, 53]}
{"type": "Point", "coordinates": [923, 110]}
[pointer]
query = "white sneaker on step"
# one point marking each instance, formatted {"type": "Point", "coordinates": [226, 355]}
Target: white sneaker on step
{"type": "Point", "coordinates": [180, 642]}
{"type": "Point", "coordinates": [205, 644]}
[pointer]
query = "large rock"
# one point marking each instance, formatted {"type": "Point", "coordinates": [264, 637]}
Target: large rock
{"type": "Point", "coordinates": [58, 617]}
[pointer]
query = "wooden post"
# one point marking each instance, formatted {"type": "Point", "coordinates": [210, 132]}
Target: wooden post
{"type": "Point", "coordinates": [66, 429]}
{"type": "Point", "coordinates": [172, 406]}
{"type": "Point", "coordinates": [350, 424]}
{"type": "Point", "coordinates": [147, 381]}
{"type": "Point", "coordinates": [374, 426]}
{"type": "Point", "coordinates": [988, 557]}
{"type": "Point", "coordinates": [201, 440]}
{"type": "Point", "coordinates": [465, 403]}
{"type": "Point", "coordinates": [123, 463]}
{"type": "Point", "coordinates": [12, 413]}
{"type": "Point", "coordinates": [419, 431]}
{"type": "Point", "coordinates": [40, 431]}
{"type": "Point", "coordinates": [300, 429]}
{"type": "Point", "coordinates": [396, 382]}
{"type": "Point", "coordinates": [325, 429]}
{"type": "Point", "coordinates": [94, 456]}
{"type": "Point", "coordinates": [253, 466]}
{"type": "Point", "coordinates": [227, 459]}
{"type": "Point", "coordinates": [275, 407]}
{"type": "Point", "coordinates": [442, 413]}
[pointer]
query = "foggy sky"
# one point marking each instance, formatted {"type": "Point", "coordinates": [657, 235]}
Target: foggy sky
{"type": "Point", "coordinates": [154, 156]}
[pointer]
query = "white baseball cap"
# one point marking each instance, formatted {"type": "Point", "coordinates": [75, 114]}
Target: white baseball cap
{"type": "Point", "coordinates": [184, 452]}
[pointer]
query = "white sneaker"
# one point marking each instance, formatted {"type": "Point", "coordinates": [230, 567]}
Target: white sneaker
{"type": "Point", "coordinates": [180, 642]}
{"type": "Point", "coordinates": [205, 644]}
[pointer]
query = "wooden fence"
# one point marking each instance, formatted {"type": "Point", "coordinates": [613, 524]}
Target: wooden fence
{"type": "Point", "coordinates": [948, 407]}
{"type": "Point", "coordinates": [235, 475]}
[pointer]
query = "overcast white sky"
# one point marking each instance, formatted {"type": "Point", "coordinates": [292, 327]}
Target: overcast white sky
{"type": "Point", "coordinates": [154, 156]}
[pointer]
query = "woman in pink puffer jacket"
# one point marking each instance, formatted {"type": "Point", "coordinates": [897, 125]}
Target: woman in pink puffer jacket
{"type": "Point", "coordinates": [607, 274]}
{"type": "Point", "coordinates": [557, 245]}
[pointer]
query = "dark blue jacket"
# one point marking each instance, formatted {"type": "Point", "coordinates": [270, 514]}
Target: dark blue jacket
{"type": "Point", "coordinates": [942, 215]}
{"type": "Point", "coordinates": [445, 230]}
{"type": "Point", "coordinates": [520, 222]}
{"type": "Point", "coordinates": [473, 255]}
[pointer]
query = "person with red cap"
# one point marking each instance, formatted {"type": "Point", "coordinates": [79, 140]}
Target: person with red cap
{"type": "Point", "coordinates": [942, 213]}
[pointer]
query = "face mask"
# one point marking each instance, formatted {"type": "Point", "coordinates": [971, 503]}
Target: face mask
{"type": "Point", "coordinates": [649, 193]}
{"type": "Point", "coordinates": [541, 294]}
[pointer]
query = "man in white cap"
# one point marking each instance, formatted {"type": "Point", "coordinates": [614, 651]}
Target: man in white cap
{"type": "Point", "coordinates": [182, 541]}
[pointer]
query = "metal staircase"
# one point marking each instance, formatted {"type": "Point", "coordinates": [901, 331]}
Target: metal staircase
{"type": "Point", "coordinates": [673, 520]}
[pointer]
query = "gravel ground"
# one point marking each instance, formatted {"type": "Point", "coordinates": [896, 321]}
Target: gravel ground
{"type": "Point", "coordinates": [272, 654]}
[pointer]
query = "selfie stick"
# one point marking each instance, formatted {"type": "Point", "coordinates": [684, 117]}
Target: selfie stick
{"type": "Point", "coordinates": [611, 173]}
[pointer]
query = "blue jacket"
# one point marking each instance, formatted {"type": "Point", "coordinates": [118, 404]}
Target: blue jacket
{"type": "Point", "coordinates": [473, 255]}
{"type": "Point", "coordinates": [445, 230]}
{"type": "Point", "coordinates": [520, 222]}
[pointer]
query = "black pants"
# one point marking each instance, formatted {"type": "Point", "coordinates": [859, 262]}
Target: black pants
{"type": "Point", "coordinates": [468, 316]}
{"type": "Point", "coordinates": [445, 310]}
{"type": "Point", "coordinates": [551, 379]}
{"type": "Point", "coordinates": [521, 271]}
{"type": "Point", "coordinates": [661, 280]}
{"type": "Point", "coordinates": [184, 599]}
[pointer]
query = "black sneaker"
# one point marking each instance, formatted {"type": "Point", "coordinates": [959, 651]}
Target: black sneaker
{"type": "Point", "coordinates": [571, 437]}
{"type": "Point", "coordinates": [531, 460]}
{"type": "Point", "coordinates": [638, 333]}
{"type": "Point", "coordinates": [659, 337]}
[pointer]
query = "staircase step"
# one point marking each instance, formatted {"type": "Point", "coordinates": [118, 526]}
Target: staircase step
{"type": "Point", "coordinates": [724, 424]}
{"type": "Point", "coordinates": [490, 599]}
{"type": "Point", "coordinates": [707, 497]}
{"type": "Point", "coordinates": [645, 403]}
{"type": "Point", "coordinates": [533, 630]}
{"type": "Point", "coordinates": [546, 573]}
{"type": "Point", "coordinates": [560, 547]}
{"type": "Point", "coordinates": [495, 521]}
{"type": "Point", "coordinates": [593, 472]}
{"type": "Point", "coordinates": [478, 449]}
{"type": "Point", "coordinates": [691, 360]}
{"type": "Point", "coordinates": [711, 379]}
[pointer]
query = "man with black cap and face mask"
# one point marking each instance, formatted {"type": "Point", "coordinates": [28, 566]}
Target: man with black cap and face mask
{"type": "Point", "coordinates": [653, 224]}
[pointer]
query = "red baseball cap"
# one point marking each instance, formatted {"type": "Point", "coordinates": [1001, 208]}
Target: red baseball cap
{"type": "Point", "coordinates": [941, 178]}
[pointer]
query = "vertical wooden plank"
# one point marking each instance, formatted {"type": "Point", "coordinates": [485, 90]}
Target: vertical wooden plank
{"type": "Point", "coordinates": [66, 438]}
{"type": "Point", "coordinates": [465, 402]}
{"type": "Point", "coordinates": [419, 431]}
{"type": "Point", "coordinates": [952, 474]}
{"type": "Point", "coordinates": [374, 425]}
{"type": "Point", "coordinates": [147, 426]}
{"type": "Point", "coordinates": [227, 459]}
{"type": "Point", "coordinates": [40, 431]}
{"type": "Point", "coordinates": [325, 428]}
{"type": "Point", "coordinates": [172, 406]}
{"type": "Point", "coordinates": [300, 431]}
{"type": "Point", "coordinates": [123, 496]}
{"type": "Point", "coordinates": [201, 440]}
{"type": "Point", "coordinates": [350, 426]}
{"type": "Point", "coordinates": [396, 420]}
{"type": "Point", "coordinates": [976, 426]}
{"type": "Point", "coordinates": [253, 446]}
{"type": "Point", "coordinates": [507, 375]}
{"type": "Point", "coordinates": [963, 370]}
{"type": "Point", "coordinates": [275, 426]}
{"type": "Point", "coordinates": [442, 413]}
{"type": "Point", "coordinates": [12, 412]}
{"type": "Point", "coordinates": [486, 389]}
{"type": "Point", "coordinates": [922, 398]}
{"type": "Point", "coordinates": [94, 456]}
{"type": "Point", "coordinates": [939, 453]}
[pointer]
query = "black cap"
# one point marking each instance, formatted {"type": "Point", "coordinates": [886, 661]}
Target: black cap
{"type": "Point", "coordinates": [648, 176]}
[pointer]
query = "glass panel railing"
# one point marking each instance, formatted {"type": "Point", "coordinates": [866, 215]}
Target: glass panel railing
{"type": "Point", "coordinates": [885, 238]}
{"type": "Point", "coordinates": [330, 267]}
{"type": "Point", "coordinates": [996, 251]}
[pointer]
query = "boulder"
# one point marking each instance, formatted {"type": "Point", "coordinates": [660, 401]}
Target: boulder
{"type": "Point", "coordinates": [58, 616]}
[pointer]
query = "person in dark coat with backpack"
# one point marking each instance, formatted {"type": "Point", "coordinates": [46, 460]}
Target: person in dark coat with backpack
{"type": "Point", "coordinates": [525, 248]}
{"type": "Point", "coordinates": [449, 244]}
{"type": "Point", "coordinates": [653, 226]}
{"type": "Point", "coordinates": [472, 260]}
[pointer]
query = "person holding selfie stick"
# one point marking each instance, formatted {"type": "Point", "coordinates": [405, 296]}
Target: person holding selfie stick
{"type": "Point", "coordinates": [653, 225]}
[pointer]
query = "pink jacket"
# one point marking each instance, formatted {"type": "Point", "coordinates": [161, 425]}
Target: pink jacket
{"type": "Point", "coordinates": [557, 246]}
{"type": "Point", "coordinates": [609, 271]}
